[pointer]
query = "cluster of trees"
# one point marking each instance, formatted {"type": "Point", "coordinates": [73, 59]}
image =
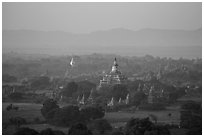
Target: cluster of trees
{"type": "Point", "coordinates": [93, 65]}
{"type": "Point", "coordinates": [29, 131]}
{"type": "Point", "coordinates": [8, 78]}
{"type": "Point", "coordinates": [69, 115]}
{"type": "Point", "coordinates": [16, 96]}
{"type": "Point", "coordinates": [117, 91]}
{"type": "Point", "coordinates": [17, 121]}
{"type": "Point", "coordinates": [191, 117]}
{"type": "Point", "coordinates": [95, 127]}
{"type": "Point", "coordinates": [74, 89]}
{"type": "Point", "coordinates": [175, 94]}
{"type": "Point", "coordinates": [27, 97]}
{"type": "Point", "coordinates": [134, 126]}
{"type": "Point", "coordinates": [40, 83]}
{"type": "Point", "coordinates": [144, 126]}
{"type": "Point", "coordinates": [137, 97]}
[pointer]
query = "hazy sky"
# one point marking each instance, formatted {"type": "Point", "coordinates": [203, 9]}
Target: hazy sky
{"type": "Point", "coordinates": [88, 17]}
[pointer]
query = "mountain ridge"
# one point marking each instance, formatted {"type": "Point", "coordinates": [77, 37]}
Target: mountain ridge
{"type": "Point", "coordinates": [110, 41]}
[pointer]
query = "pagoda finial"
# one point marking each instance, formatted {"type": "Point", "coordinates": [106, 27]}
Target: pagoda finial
{"type": "Point", "coordinates": [115, 62]}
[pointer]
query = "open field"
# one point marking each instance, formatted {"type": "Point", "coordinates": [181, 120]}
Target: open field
{"type": "Point", "coordinates": [162, 116]}
{"type": "Point", "coordinates": [186, 98]}
{"type": "Point", "coordinates": [29, 111]}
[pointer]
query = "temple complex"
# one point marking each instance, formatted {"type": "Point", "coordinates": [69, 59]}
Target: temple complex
{"type": "Point", "coordinates": [114, 77]}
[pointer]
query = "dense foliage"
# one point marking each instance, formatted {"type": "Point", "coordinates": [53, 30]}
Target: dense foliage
{"type": "Point", "coordinates": [40, 83]}
{"type": "Point", "coordinates": [191, 117]}
{"type": "Point", "coordinates": [92, 112]}
{"type": "Point", "coordinates": [144, 126]}
{"type": "Point", "coordinates": [69, 89]}
{"type": "Point", "coordinates": [49, 131]}
{"type": "Point", "coordinates": [100, 126]}
{"type": "Point", "coordinates": [16, 96]}
{"type": "Point", "coordinates": [26, 131]}
{"type": "Point", "coordinates": [79, 129]}
{"type": "Point", "coordinates": [69, 115]}
{"type": "Point", "coordinates": [49, 108]}
{"type": "Point", "coordinates": [8, 78]}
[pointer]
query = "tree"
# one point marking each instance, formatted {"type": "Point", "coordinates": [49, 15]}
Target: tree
{"type": "Point", "coordinates": [70, 88]}
{"type": "Point", "coordinates": [136, 126]}
{"type": "Point", "coordinates": [138, 98]}
{"type": "Point", "coordinates": [191, 116]}
{"type": "Point", "coordinates": [79, 129]}
{"type": "Point", "coordinates": [8, 78]}
{"type": "Point", "coordinates": [16, 96]}
{"type": "Point", "coordinates": [100, 126]}
{"type": "Point", "coordinates": [195, 131]}
{"type": "Point", "coordinates": [157, 130]}
{"type": "Point", "coordinates": [85, 85]}
{"type": "Point", "coordinates": [17, 121]}
{"type": "Point", "coordinates": [119, 91]}
{"type": "Point", "coordinates": [49, 131]}
{"type": "Point", "coordinates": [104, 92]}
{"type": "Point", "coordinates": [192, 106]}
{"type": "Point", "coordinates": [26, 131]}
{"type": "Point", "coordinates": [40, 83]}
{"type": "Point", "coordinates": [49, 108]}
{"type": "Point", "coordinates": [101, 101]}
{"type": "Point", "coordinates": [84, 88]}
{"type": "Point", "coordinates": [92, 112]}
{"type": "Point", "coordinates": [153, 117]}
{"type": "Point", "coordinates": [118, 131]}
{"type": "Point", "coordinates": [66, 116]}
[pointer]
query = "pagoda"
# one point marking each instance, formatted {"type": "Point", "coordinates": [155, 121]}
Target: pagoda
{"type": "Point", "coordinates": [114, 77]}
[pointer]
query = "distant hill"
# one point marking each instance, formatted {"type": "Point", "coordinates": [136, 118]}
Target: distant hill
{"type": "Point", "coordinates": [157, 42]}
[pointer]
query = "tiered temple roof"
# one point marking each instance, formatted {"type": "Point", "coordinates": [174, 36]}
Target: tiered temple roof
{"type": "Point", "coordinates": [114, 77]}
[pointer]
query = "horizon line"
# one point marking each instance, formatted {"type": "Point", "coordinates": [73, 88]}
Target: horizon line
{"type": "Point", "coordinates": [103, 30]}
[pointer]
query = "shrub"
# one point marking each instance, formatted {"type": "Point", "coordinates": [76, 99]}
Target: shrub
{"type": "Point", "coordinates": [49, 131]}
{"type": "Point", "coordinates": [79, 129]}
{"type": "Point", "coordinates": [117, 132]}
{"type": "Point", "coordinates": [195, 131]}
{"type": "Point", "coordinates": [138, 98]}
{"type": "Point", "coordinates": [40, 83]}
{"type": "Point", "coordinates": [39, 99]}
{"type": "Point", "coordinates": [92, 112]}
{"type": "Point", "coordinates": [17, 121]}
{"type": "Point", "coordinates": [66, 116]}
{"type": "Point", "coordinates": [48, 106]}
{"type": "Point", "coordinates": [157, 130]}
{"type": "Point", "coordinates": [26, 131]}
{"type": "Point", "coordinates": [8, 78]}
{"type": "Point", "coordinates": [36, 120]}
{"type": "Point", "coordinates": [191, 116]}
{"type": "Point", "coordinates": [69, 89]}
{"type": "Point", "coordinates": [137, 126]}
{"type": "Point", "coordinates": [191, 105]}
{"type": "Point", "coordinates": [16, 96]}
{"type": "Point", "coordinates": [100, 126]}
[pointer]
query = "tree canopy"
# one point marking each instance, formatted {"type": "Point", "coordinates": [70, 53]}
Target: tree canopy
{"type": "Point", "coordinates": [69, 89]}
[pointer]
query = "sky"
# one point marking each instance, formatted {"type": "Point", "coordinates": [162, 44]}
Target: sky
{"type": "Point", "coordinates": [89, 17]}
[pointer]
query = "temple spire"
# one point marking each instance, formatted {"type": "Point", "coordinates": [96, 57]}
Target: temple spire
{"type": "Point", "coordinates": [115, 66]}
{"type": "Point", "coordinates": [115, 62]}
